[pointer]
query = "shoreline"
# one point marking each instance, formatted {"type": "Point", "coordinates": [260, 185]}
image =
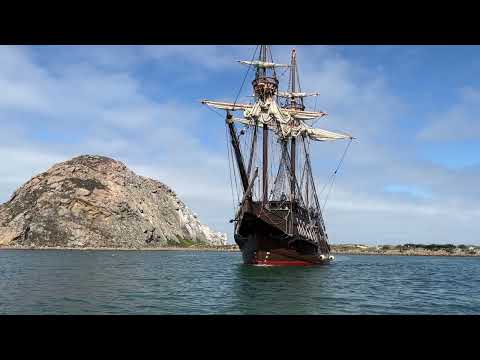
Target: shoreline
{"type": "Point", "coordinates": [403, 254]}
{"type": "Point", "coordinates": [233, 248]}
{"type": "Point", "coordinates": [166, 248]}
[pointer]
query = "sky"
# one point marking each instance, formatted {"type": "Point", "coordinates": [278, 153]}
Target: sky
{"type": "Point", "coordinates": [411, 176]}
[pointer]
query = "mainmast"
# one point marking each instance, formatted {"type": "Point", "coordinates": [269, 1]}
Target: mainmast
{"type": "Point", "coordinates": [265, 86]}
{"type": "Point", "coordinates": [296, 103]}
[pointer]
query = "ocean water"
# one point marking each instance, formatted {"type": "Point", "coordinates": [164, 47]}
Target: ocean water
{"type": "Point", "coordinates": [183, 282]}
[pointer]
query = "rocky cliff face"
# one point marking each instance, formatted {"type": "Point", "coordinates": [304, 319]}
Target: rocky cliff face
{"type": "Point", "coordinates": [94, 201]}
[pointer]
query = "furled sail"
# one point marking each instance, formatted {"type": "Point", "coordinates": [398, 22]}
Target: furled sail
{"type": "Point", "coordinates": [262, 64]}
{"type": "Point", "coordinates": [304, 115]}
{"type": "Point", "coordinates": [286, 130]}
{"type": "Point", "coordinates": [255, 110]}
{"type": "Point", "coordinates": [295, 94]}
{"type": "Point", "coordinates": [313, 133]}
{"type": "Point", "coordinates": [325, 135]}
{"type": "Point", "coordinates": [285, 122]}
{"type": "Point", "coordinates": [226, 105]}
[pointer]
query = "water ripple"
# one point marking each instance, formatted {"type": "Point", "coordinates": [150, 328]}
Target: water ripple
{"type": "Point", "coordinates": [151, 282]}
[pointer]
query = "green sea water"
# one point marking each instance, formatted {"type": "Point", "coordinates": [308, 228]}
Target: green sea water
{"type": "Point", "coordinates": [184, 282]}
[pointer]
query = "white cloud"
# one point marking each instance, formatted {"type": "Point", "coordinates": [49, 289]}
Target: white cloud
{"type": "Point", "coordinates": [193, 56]}
{"type": "Point", "coordinates": [19, 164]}
{"type": "Point", "coordinates": [93, 95]}
{"type": "Point", "coordinates": [460, 122]}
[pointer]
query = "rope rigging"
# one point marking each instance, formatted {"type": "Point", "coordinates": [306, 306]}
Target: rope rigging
{"type": "Point", "coordinates": [245, 77]}
{"type": "Point", "coordinates": [231, 162]}
{"type": "Point", "coordinates": [229, 168]}
{"type": "Point", "coordinates": [334, 174]}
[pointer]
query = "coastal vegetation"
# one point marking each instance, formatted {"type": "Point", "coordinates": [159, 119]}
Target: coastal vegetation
{"type": "Point", "coordinates": [409, 249]}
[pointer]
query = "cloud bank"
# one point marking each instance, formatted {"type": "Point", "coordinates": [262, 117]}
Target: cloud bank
{"type": "Point", "coordinates": [140, 105]}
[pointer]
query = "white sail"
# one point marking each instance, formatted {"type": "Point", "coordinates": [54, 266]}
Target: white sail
{"type": "Point", "coordinates": [226, 105]}
{"type": "Point", "coordinates": [297, 114]}
{"type": "Point", "coordinates": [295, 94]}
{"type": "Point", "coordinates": [249, 122]}
{"type": "Point", "coordinates": [263, 64]}
{"type": "Point", "coordinates": [325, 135]}
{"type": "Point", "coordinates": [316, 134]}
{"type": "Point", "coordinates": [304, 115]}
{"type": "Point", "coordinates": [286, 130]}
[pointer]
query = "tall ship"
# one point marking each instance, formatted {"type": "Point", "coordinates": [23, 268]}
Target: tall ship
{"type": "Point", "coordinates": [278, 218]}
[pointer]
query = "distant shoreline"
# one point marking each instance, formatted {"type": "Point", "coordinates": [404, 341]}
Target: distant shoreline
{"type": "Point", "coordinates": [433, 253]}
{"type": "Point", "coordinates": [407, 250]}
{"type": "Point", "coordinates": [166, 248]}
{"type": "Point", "coordinates": [336, 250]}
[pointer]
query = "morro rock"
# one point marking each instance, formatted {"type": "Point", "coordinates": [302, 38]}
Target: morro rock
{"type": "Point", "coordinates": [95, 201]}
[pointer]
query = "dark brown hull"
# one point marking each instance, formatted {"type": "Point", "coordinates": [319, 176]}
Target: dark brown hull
{"type": "Point", "coordinates": [264, 240]}
{"type": "Point", "coordinates": [286, 257]}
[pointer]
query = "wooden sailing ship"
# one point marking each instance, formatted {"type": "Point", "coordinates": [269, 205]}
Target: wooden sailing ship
{"type": "Point", "coordinates": [278, 219]}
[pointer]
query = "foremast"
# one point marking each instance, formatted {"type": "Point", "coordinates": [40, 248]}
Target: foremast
{"type": "Point", "coordinates": [265, 87]}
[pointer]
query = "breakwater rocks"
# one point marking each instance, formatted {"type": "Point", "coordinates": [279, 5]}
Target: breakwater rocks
{"type": "Point", "coordinates": [97, 202]}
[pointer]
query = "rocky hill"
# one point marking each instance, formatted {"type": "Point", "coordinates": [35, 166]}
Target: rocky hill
{"type": "Point", "coordinates": [95, 201]}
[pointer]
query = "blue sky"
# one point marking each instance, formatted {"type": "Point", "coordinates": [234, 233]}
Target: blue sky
{"type": "Point", "coordinates": [412, 175]}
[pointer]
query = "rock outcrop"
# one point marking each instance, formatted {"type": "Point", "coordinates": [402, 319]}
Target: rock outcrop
{"type": "Point", "coordinates": [95, 201]}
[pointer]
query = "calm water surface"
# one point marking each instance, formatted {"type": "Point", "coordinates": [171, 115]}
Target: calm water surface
{"type": "Point", "coordinates": [181, 282]}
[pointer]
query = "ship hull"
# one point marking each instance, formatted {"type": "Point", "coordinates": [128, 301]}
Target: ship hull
{"type": "Point", "coordinates": [263, 238]}
{"type": "Point", "coordinates": [259, 248]}
{"type": "Point", "coordinates": [281, 257]}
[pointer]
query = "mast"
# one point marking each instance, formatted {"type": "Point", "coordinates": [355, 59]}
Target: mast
{"type": "Point", "coordinates": [293, 103]}
{"type": "Point", "coordinates": [265, 163]}
{"type": "Point", "coordinates": [292, 151]}
{"type": "Point", "coordinates": [265, 86]}
{"type": "Point", "coordinates": [262, 73]}
{"type": "Point", "coordinates": [292, 167]}
{"type": "Point", "coordinates": [307, 200]}
{"type": "Point", "coordinates": [238, 153]}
